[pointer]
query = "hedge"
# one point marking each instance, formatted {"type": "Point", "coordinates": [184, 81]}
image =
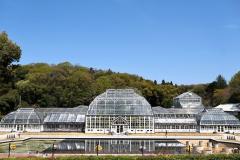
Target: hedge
{"type": "Point", "coordinates": [162, 157]}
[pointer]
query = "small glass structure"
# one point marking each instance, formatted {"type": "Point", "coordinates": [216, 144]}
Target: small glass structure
{"type": "Point", "coordinates": [175, 119]}
{"type": "Point", "coordinates": [26, 119]}
{"type": "Point", "coordinates": [188, 100]}
{"type": "Point", "coordinates": [216, 120]}
{"type": "Point", "coordinates": [64, 119]}
{"type": "Point", "coordinates": [232, 108]}
{"type": "Point", "coordinates": [119, 111]}
{"type": "Point", "coordinates": [45, 119]}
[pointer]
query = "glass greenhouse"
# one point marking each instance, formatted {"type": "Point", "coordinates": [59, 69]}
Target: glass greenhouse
{"type": "Point", "coordinates": [45, 119]}
{"type": "Point", "coordinates": [188, 100]}
{"type": "Point", "coordinates": [119, 111]}
{"type": "Point", "coordinates": [23, 119]}
{"type": "Point", "coordinates": [123, 111]}
{"type": "Point", "coordinates": [216, 120]}
{"type": "Point", "coordinates": [64, 119]}
{"type": "Point", "coordinates": [175, 119]}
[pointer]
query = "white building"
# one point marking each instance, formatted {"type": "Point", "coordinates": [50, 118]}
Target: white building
{"type": "Point", "coordinates": [119, 111]}
{"type": "Point", "coordinates": [188, 100]}
{"type": "Point", "coordinates": [45, 119]}
{"type": "Point", "coordinates": [176, 119]}
{"type": "Point", "coordinates": [123, 111]}
{"type": "Point", "coordinates": [233, 108]}
{"type": "Point", "coordinates": [218, 121]}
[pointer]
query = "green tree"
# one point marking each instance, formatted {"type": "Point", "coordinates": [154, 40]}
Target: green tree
{"type": "Point", "coordinates": [235, 81]}
{"type": "Point", "coordinates": [220, 96]}
{"type": "Point", "coordinates": [234, 85]}
{"type": "Point", "coordinates": [169, 92]}
{"type": "Point", "coordinates": [220, 82]}
{"type": "Point", "coordinates": [163, 82]}
{"type": "Point", "coordinates": [155, 82]}
{"type": "Point", "coordinates": [235, 96]}
{"type": "Point", "coordinates": [10, 53]}
{"type": "Point", "coordinates": [214, 89]}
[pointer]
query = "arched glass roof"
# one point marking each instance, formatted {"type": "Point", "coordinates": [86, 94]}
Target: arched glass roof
{"type": "Point", "coordinates": [64, 115]}
{"type": "Point", "coordinates": [160, 110]}
{"type": "Point", "coordinates": [46, 115]}
{"type": "Point", "coordinates": [119, 102]}
{"type": "Point", "coordinates": [218, 117]}
{"type": "Point", "coordinates": [22, 116]}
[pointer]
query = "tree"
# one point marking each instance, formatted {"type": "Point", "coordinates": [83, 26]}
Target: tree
{"type": "Point", "coordinates": [9, 54]}
{"type": "Point", "coordinates": [235, 96]}
{"type": "Point", "coordinates": [9, 101]}
{"type": "Point", "coordinates": [155, 82]}
{"type": "Point", "coordinates": [235, 88]}
{"type": "Point", "coordinates": [220, 96]}
{"type": "Point", "coordinates": [220, 82]}
{"type": "Point", "coordinates": [199, 89]}
{"type": "Point", "coordinates": [235, 81]}
{"type": "Point", "coordinates": [163, 82]}
{"type": "Point", "coordinates": [91, 70]}
{"type": "Point", "coordinates": [169, 92]}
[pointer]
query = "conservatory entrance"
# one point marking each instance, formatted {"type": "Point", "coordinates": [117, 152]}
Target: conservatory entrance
{"type": "Point", "coordinates": [119, 125]}
{"type": "Point", "coordinates": [120, 129]}
{"type": "Point", "coordinates": [220, 129]}
{"type": "Point", "coordinates": [20, 127]}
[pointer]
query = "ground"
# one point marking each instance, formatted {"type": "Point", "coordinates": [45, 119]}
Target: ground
{"type": "Point", "coordinates": [183, 137]}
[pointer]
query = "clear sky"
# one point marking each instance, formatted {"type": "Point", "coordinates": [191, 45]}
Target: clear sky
{"type": "Point", "coordinates": [185, 41]}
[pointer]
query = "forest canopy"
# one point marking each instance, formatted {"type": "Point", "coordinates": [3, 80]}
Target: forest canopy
{"type": "Point", "coordinates": [68, 85]}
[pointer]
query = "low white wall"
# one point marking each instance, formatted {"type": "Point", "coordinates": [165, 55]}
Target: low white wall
{"type": "Point", "coordinates": [129, 131]}
{"type": "Point", "coordinates": [175, 130]}
{"type": "Point", "coordinates": [15, 130]}
{"type": "Point", "coordinates": [212, 131]}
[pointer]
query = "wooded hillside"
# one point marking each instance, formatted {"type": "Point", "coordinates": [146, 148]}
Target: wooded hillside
{"type": "Point", "coordinates": [68, 85]}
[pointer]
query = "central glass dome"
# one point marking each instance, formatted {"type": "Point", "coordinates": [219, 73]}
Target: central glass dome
{"type": "Point", "coordinates": [119, 102]}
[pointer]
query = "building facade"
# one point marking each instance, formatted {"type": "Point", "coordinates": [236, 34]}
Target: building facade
{"type": "Point", "coordinates": [232, 108]}
{"type": "Point", "coordinates": [119, 111]}
{"type": "Point", "coordinates": [124, 111]}
{"type": "Point", "coordinates": [175, 119]}
{"type": "Point", "coordinates": [188, 100]}
{"type": "Point", "coordinates": [218, 121]}
{"type": "Point", "coordinates": [45, 119]}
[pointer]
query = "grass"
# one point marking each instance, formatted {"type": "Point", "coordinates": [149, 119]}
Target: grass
{"type": "Point", "coordinates": [161, 157]}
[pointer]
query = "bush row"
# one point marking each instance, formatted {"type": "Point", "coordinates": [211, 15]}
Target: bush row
{"type": "Point", "coordinates": [163, 157]}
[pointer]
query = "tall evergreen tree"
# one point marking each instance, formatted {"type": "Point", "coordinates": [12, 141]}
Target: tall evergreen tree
{"type": "Point", "coordinates": [221, 82]}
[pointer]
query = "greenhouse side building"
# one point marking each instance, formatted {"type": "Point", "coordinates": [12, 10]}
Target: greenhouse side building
{"type": "Point", "coordinates": [45, 119]}
{"type": "Point", "coordinates": [218, 121]}
{"type": "Point", "coordinates": [176, 119]}
{"type": "Point", "coordinates": [23, 119]}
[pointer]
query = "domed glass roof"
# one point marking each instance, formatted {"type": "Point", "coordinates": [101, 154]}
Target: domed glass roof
{"type": "Point", "coordinates": [218, 117]}
{"type": "Point", "coordinates": [119, 102]}
{"type": "Point", "coordinates": [22, 116]}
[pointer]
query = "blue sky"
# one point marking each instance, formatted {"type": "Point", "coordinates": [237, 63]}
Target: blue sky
{"type": "Point", "coordinates": [184, 41]}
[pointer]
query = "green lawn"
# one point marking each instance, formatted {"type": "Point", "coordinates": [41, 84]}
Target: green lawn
{"type": "Point", "coordinates": [164, 157]}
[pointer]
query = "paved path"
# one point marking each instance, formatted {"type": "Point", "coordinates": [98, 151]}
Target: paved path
{"type": "Point", "coordinates": [227, 141]}
{"type": "Point", "coordinates": [119, 137]}
{"type": "Point", "coordinates": [77, 135]}
{"type": "Point", "coordinates": [134, 136]}
{"type": "Point", "coordinates": [26, 155]}
{"type": "Point", "coordinates": [73, 135]}
{"type": "Point", "coordinates": [14, 140]}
